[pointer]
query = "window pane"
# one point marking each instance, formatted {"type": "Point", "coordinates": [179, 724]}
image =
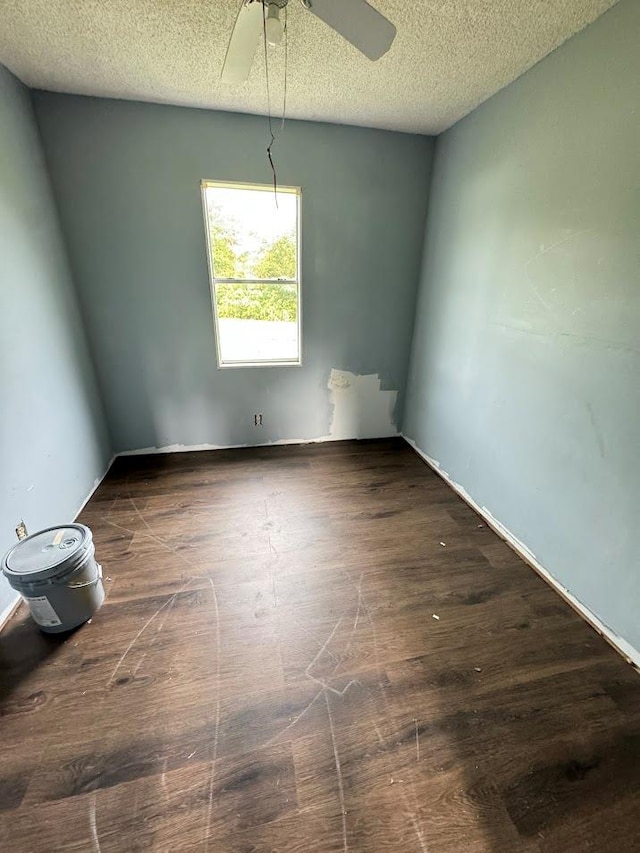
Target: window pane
{"type": "Point", "coordinates": [254, 272]}
{"type": "Point", "coordinates": [257, 322]}
{"type": "Point", "coordinates": [251, 237]}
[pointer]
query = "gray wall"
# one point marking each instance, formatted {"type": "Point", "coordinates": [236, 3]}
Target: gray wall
{"type": "Point", "coordinates": [53, 443]}
{"type": "Point", "coordinates": [127, 179]}
{"type": "Point", "coordinates": [525, 377]}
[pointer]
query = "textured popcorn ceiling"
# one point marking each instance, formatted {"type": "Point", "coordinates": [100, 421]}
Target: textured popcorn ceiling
{"type": "Point", "coordinates": [448, 56]}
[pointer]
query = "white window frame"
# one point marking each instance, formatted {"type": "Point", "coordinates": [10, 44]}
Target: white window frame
{"type": "Point", "coordinates": [213, 280]}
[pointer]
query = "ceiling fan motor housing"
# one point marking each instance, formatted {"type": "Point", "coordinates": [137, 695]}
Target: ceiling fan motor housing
{"type": "Point", "coordinates": [355, 20]}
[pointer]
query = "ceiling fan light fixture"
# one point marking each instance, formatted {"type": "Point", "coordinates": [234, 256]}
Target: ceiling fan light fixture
{"type": "Point", "coordinates": [274, 27]}
{"type": "Point", "coordinates": [355, 20]}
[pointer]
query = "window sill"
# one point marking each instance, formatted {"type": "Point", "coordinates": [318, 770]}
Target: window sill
{"type": "Point", "coordinates": [235, 365]}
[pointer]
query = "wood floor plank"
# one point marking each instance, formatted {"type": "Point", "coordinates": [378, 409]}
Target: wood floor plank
{"type": "Point", "coordinates": [313, 648]}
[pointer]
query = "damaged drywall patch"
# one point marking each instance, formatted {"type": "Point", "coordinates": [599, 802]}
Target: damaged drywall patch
{"type": "Point", "coordinates": [361, 409]}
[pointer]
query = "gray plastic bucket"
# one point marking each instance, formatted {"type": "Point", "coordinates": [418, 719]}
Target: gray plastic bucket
{"type": "Point", "coordinates": [56, 573]}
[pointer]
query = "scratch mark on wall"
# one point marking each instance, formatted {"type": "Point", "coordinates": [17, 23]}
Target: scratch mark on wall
{"type": "Point", "coordinates": [609, 345]}
{"type": "Point", "coordinates": [596, 429]}
{"type": "Point", "coordinates": [544, 250]}
{"type": "Point", "coordinates": [535, 287]}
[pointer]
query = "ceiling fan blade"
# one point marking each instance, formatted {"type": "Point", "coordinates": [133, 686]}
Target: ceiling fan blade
{"type": "Point", "coordinates": [243, 44]}
{"type": "Point", "coordinates": [358, 22]}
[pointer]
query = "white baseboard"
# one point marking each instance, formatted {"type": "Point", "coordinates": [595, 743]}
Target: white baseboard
{"type": "Point", "coordinates": [9, 610]}
{"type": "Point", "coordinates": [13, 605]}
{"type": "Point", "coordinates": [188, 448]}
{"type": "Point", "coordinates": [96, 483]}
{"type": "Point", "coordinates": [628, 652]}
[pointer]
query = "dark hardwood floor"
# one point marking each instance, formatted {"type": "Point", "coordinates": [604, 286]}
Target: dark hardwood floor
{"type": "Point", "coordinates": [316, 648]}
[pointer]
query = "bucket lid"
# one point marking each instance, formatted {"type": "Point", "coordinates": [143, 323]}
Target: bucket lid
{"type": "Point", "coordinates": [49, 552]}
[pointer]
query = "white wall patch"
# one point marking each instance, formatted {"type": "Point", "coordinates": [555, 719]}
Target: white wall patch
{"type": "Point", "coordinates": [361, 409]}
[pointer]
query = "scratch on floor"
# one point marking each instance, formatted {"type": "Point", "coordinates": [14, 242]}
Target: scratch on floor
{"type": "Point", "coordinates": [355, 621]}
{"type": "Point", "coordinates": [295, 720]}
{"type": "Point", "coordinates": [93, 825]}
{"type": "Point", "coordinates": [272, 573]}
{"type": "Point", "coordinates": [135, 508]}
{"type": "Point", "coordinates": [144, 628]}
{"type": "Point", "coordinates": [139, 514]}
{"type": "Point", "coordinates": [216, 733]}
{"type": "Point", "coordinates": [410, 811]}
{"type": "Point", "coordinates": [140, 662]}
{"type": "Point", "coordinates": [323, 647]}
{"type": "Point", "coordinates": [417, 742]}
{"type": "Point", "coordinates": [314, 637]}
{"type": "Point", "coordinates": [154, 538]}
{"type": "Point", "coordinates": [191, 564]}
{"type": "Point", "coordinates": [338, 661]}
{"type": "Point", "coordinates": [378, 732]}
{"type": "Point", "coordinates": [179, 556]}
{"type": "Point", "coordinates": [272, 547]}
{"type": "Point", "coordinates": [331, 689]}
{"type": "Point", "coordinates": [110, 510]}
{"type": "Point", "coordinates": [336, 758]}
{"type": "Point", "coordinates": [416, 826]}
{"type": "Point", "coordinates": [319, 681]}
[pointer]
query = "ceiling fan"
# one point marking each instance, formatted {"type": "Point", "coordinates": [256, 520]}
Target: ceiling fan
{"type": "Point", "coordinates": [355, 20]}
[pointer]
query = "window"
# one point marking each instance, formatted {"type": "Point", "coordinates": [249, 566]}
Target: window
{"type": "Point", "coordinates": [254, 264]}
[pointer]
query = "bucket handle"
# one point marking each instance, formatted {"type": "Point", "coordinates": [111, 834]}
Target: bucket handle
{"type": "Point", "coordinates": [88, 583]}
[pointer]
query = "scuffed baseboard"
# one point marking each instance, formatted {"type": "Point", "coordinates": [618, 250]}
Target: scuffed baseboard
{"type": "Point", "coordinates": [9, 610]}
{"type": "Point", "coordinates": [96, 483]}
{"type": "Point", "coordinates": [188, 448]}
{"type": "Point", "coordinates": [628, 652]}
